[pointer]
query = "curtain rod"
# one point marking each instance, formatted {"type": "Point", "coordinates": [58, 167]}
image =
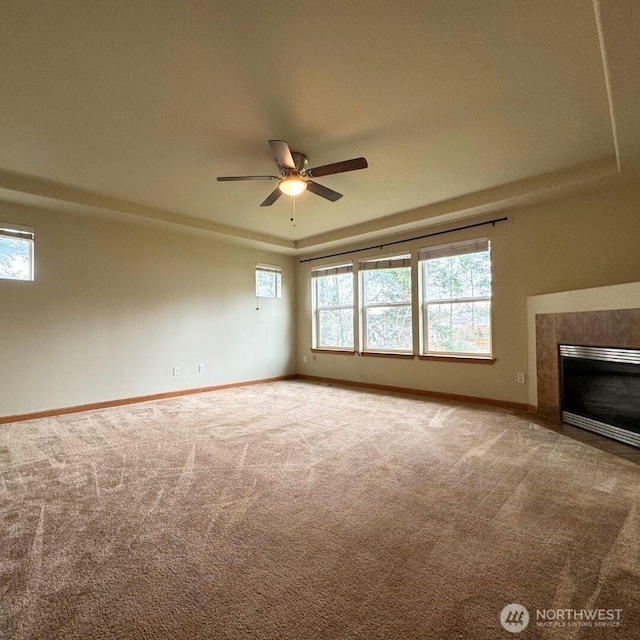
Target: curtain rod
{"type": "Point", "coordinates": [427, 235]}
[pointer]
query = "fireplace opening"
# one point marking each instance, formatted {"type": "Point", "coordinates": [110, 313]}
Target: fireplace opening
{"type": "Point", "coordinates": [600, 390]}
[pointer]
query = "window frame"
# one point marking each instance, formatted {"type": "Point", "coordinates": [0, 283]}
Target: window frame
{"type": "Point", "coordinates": [276, 271]}
{"type": "Point", "coordinates": [26, 234]}
{"type": "Point", "coordinates": [317, 308]}
{"type": "Point", "coordinates": [451, 250]}
{"type": "Point", "coordinates": [365, 305]}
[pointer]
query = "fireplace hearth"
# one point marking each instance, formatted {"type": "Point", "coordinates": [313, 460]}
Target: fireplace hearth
{"type": "Point", "coordinates": [600, 390]}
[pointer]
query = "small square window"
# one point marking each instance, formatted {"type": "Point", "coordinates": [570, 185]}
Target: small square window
{"type": "Point", "coordinates": [16, 252]}
{"type": "Point", "coordinates": [268, 281]}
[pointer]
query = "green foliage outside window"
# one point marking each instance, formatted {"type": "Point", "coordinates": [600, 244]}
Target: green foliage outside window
{"type": "Point", "coordinates": [456, 322]}
{"type": "Point", "coordinates": [388, 285]}
{"type": "Point", "coordinates": [335, 322]}
{"type": "Point", "coordinates": [388, 321]}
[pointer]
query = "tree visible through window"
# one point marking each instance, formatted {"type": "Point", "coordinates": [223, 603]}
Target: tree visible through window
{"type": "Point", "coordinates": [16, 253]}
{"type": "Point", "coordinates": [386, 310]}
{"type": "Point", "coordinates": [333, 298]}
{"type": "Point", "coordinates": [457, 298]}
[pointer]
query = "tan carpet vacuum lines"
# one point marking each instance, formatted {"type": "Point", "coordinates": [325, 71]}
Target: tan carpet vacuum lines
{"type": "Point", "coordinates": [302, 511]}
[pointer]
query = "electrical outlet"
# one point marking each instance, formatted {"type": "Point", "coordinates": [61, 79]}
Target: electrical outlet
{"type": "Point", "coordinates": [521, 378]}
{"type": "Point", "coordinates": [176, 371]}
{"type": "Point", "coordinates": [304, 359]}
{"type": "Point", "coordinates": [201, 368]}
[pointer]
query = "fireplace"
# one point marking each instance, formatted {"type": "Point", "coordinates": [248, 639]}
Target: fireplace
{"type": "Point", "coordinates": [600, 390]}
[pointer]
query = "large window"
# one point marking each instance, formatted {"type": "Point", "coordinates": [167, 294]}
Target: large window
{"type": "Point", "coordinates": [386, 304]}
{"type": "Point", "coordinates": [268, 281]}
{"type": "Point", "coordinates": [16, 252]}
{"type": "Point", "coordinates": [333, 307]}
{"type": "Point", "coordinates": [456, 298]}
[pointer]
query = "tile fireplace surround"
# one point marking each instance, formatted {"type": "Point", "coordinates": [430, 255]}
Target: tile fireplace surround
{"type": "Point", "coordinates": [619, 328]}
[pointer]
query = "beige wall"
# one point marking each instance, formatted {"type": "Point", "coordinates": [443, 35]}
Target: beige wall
{"type": "Point", "coordinates": [583, 241]}
{"type": "Point", "coordinates": [115, 305]}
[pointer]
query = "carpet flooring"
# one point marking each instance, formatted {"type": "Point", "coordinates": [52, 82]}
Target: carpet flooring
{"type": "Point", "coordinates": [292, 510]}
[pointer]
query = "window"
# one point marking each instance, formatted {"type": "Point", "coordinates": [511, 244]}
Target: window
{"type": "Point", "coordinates": [333, 307]}
{"type": "Point", "coordinates": [456, 298]}
{"type": "Point", "coordinates": [386, 304]}
{"type": "Point", "coordinates": [16, 252]}
{"type": "Point", "coordinates": [268, 281]}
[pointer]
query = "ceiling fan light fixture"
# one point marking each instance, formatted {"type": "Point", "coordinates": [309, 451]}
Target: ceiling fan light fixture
{"type": "Point", "coordinates": [292, 186]}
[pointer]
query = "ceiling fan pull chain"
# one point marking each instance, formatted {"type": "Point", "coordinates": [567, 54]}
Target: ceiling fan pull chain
{"type": "Point", "coordinates": [293, 210]}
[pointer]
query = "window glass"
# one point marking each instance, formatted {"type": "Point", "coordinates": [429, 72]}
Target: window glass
{"type": "Point", "coordinates": [268, 282]}
{"type": "Point", "coordinates": [16, 253]}
{"type": "Point", "coordinates": [459, 327]}
{"type": "Point", "coordinates": [335, 290]}
{"type": "Point", "coordinates": [335, 328]}
{"type": "Point", "coordinates": [389, 328]}
{"type": "Point", "coordinates": [388, 285]}
{"type": "Point", "coordinates": [386, 309]}
{"type": "Point", "coordinates": [465, 276]}
{"type": "Point", "coordinates": [333, 297]}
{"type": "Point", "coordinates": [457, 298]}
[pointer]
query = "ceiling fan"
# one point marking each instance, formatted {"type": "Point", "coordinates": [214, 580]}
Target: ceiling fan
{"type": "Point", "coordinates": [295, 177]}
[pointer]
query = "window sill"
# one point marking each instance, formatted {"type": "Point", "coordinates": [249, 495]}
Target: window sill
{"type": "Point", "coordinates": [344, 352]}
{"type": "Point", "coordinates": [409, 356]}
{"type": "Point", "coordinates": [382, 354]}
{"type": "Point", "coordinates": [466, 359]}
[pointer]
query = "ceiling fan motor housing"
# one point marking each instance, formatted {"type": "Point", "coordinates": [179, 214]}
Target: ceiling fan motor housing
{"type": "Point", "coordinates": [301, 161]}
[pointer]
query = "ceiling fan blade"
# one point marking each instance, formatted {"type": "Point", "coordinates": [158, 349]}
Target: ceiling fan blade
{"type": "Point", "coordinates": [338, 167]}
{"type": "Point", "coordinates": [323, 192]}
{"type": "Point", "coordinates": [282, 153]}
{"type": "Point", "coordinates": [275, 194]}
{"type": "Point", "coordinates": [230, 178]}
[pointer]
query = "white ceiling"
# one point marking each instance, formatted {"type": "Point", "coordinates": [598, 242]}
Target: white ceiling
{"type": "Point", "coordinates": [136, 107]}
